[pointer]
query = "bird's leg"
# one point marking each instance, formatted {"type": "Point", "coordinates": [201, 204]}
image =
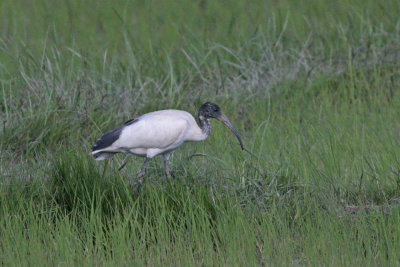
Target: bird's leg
{"type": "Point", "coordinates": [166, 162]}
{"type": "Point", "coordinates": [122, 166]}
{"type": "Point", "coordinates": [142, 170]}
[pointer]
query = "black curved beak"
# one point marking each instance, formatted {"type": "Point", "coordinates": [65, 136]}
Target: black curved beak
{"type": "Point", "coordinates": [222, 118]}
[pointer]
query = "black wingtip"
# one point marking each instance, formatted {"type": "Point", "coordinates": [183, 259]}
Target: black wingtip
{"type": "Point", "coordinates": [110, 137]}
{"type": "Point", "coordinates": [107, 139]}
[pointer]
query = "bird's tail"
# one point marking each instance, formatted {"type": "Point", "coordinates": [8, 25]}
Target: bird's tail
{"type": "Point", "coordinates": [102, 155]}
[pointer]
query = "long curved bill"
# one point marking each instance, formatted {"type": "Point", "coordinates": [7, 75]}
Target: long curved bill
{"type": "Point", "coordinates": [222, 118]}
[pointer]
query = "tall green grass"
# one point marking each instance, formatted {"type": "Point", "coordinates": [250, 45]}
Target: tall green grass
{"type": "Point", "coordinates": [311, 86]}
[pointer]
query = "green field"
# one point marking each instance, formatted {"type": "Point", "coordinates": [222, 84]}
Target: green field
{"type": "Point", "coordinates": [312, 86]}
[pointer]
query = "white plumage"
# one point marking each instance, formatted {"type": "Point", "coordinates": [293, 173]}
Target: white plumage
{"type": "Point", "coordinates": [159, 132]}
{"type": "Point", "coordinates": [155, 133]}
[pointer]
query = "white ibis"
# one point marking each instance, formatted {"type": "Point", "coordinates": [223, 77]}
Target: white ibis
{"type": "Point", "coordinates": [159, 133]}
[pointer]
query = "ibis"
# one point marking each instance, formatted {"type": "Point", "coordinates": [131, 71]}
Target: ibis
{"type": "Point", "coordinates": [159, 133]}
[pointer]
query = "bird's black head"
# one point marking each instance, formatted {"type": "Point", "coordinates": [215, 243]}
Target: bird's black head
{"type": "Point", "coordinates": [210, 110]}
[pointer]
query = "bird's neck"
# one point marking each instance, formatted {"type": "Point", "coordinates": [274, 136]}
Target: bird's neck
{"type": "Point", "coordinates": [205, 126]}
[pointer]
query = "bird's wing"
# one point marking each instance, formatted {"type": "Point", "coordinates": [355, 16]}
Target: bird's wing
{"type": "Point", "coordinates": [157, 130]}
{"type": "Point", "coordinates": [107, 139]}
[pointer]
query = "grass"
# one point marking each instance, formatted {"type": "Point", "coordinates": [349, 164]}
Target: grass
{"type": "Point", "coordinates": [312, 88]}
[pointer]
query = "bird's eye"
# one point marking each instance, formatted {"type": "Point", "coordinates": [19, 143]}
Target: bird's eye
{"type": "Point", "coordinates": [215, 109]}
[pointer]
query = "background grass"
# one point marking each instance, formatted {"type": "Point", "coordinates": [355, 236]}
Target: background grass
{"type": "Point", "coordinates": [312, 86]}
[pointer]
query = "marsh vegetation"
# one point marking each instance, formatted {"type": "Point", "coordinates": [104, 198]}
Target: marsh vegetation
{"type": "Point", "coordinates": [311, 86]}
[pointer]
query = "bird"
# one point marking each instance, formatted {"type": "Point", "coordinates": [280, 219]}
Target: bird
{"type": "Point", "coordinates": [159, 133]}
